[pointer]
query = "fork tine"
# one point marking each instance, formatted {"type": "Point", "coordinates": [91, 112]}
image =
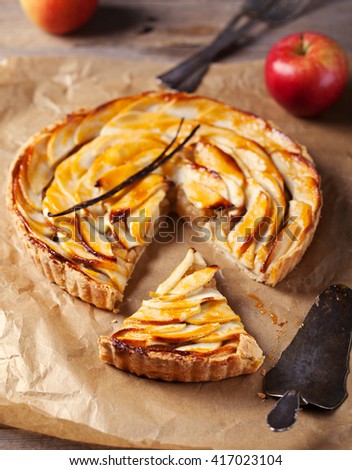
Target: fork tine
{"type": "Point", "coordinates": [246, 8]}
{"type": "Point", "coordinates": [285, 10]}
{"type": "Point", "coordinates": [201, 60]}
{"type": "Point", "coordinates": [187, 75]}
{"type": "Point", "coordinates": [186, 71]}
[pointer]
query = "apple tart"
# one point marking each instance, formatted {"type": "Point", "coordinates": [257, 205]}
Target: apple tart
{"type": "Point", "coordinates": [256, 191]}
{"type": "Point", "coordinates": [185, 332]}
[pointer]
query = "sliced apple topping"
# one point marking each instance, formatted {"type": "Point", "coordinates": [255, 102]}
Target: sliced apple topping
{"type": "Point", "coordinates": [139, 193]}
{"type": "Point", "coordinates": [212, 157]}
{"type": "Point", "coordinates": [203, 197]}
{"type": "Point", "coordinates": [213, 311]}
{"type": "Point", "coordinates": [204, 295]}
{"type": "Point", "coordinates": [156, 122]}
{"type": "Point", "coordinates": [36, 171]}
{"type": "Point", "coordinates": [194, 281]}
{"type": "Point", "coordinates": [203, 187]}
{"type": "Point", "coordinates": [189, 333]}
{"type": "Point", "coordinates": [177, 274]}
{"type": "Point", "coordinates": [200, 347]}
{"type": "Point", "coordinates": [300, 176]}
{"type": "Point", "coordinates": [220, 162]}
{"type": "Point", "coordinates": [166, 315]}
{"type": "Point", "coordinates": [242, 236]}
{"type": "Point", "coordinates": [141, 222]}
{"type": "Point", "coordinates": [180, 320]}
{"type": "Point", "coordinates": [224, 332]}
{"type": "Point", "coordinates": [92, 239]}
{"type": "Point", "coordinates": [94, 121]}
{"type": "Point", "coordinates": [62, 140]}
{"type": "Point", "coordinates": [290, 237]}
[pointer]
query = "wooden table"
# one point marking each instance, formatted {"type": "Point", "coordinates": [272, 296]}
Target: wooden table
{"type": "Point", "coordinates": [161, 30]}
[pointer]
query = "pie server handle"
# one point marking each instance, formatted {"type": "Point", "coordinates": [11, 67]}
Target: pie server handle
{"type": "Point", "coordinates": [284, 414]}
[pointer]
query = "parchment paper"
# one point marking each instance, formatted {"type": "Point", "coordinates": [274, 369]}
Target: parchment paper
{"type": "Point", "coordinates": [52, 380]}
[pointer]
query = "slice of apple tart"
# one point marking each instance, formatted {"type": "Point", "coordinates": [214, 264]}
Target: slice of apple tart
{"type": "Point", "coordinates": [185, 332]}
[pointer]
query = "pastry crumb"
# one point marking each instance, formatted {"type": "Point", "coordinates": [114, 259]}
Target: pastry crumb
{"type": "Point", "coordinates": [261, 395]}
{"type": "Point", "coordinates": [263, 372]}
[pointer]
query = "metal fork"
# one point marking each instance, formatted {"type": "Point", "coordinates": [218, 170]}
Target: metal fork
{"type": "Point", "coordinates": [188, 74]}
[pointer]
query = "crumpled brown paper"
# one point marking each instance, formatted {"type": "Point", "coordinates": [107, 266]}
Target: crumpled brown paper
{"type": "Point", "coordinates": [52, 380]}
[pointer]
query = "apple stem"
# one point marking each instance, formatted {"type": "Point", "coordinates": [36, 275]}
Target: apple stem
{"type": "Point", "coordinates": [301, 49]}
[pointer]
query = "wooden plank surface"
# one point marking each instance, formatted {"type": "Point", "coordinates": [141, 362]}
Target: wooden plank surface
{"type": "Point", "coordinates": [164, 30]}
{"type": "Point", "coordinates": [17, 439]}
{"type": "Point", "coordinates": [161, 30]}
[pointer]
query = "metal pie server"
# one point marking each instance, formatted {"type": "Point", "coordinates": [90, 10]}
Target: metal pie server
{"type": "Point", "coordinates": [314, 367]}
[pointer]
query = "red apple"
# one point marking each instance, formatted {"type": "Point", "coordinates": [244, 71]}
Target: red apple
{"type": "Point", "coordinates": [59, 16]}
{"type": "Point", "coordinates": [306, 72]}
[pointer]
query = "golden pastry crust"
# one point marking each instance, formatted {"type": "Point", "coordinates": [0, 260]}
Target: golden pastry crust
{"type": "Point", "coordinates": [175, 367]}
{"type": "Point", "coordinates": [186, 332]}
{"type": "Point", "coordinates": [237, 162]}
